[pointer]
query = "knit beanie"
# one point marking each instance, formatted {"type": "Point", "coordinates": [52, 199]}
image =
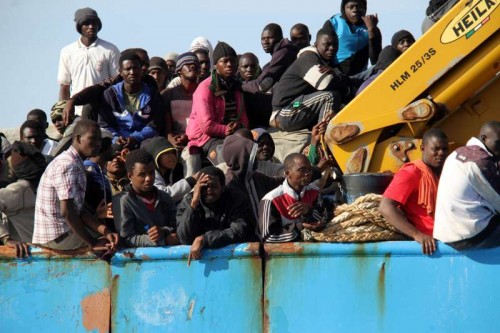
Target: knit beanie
{"type": "Point", "coordinates": [400, 35]}
{"type": "Point", "coordinates": [222, 50]}
{"type": "Point", "coordinates": [85, 14]}
{"type": "Point", "coordinates": [201, 43]}
{"type": "Point", "coordinates": [157, 63]}
{"type": "Point", "coordinates": [186, 59]}
{"type": "Point", "coordinates": [386, 57]}
{"type": "Point", "coordinates": [172, 56]}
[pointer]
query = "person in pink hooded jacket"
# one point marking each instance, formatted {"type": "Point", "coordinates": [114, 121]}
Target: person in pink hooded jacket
{"type": "Point", "coordinates": [218, 106]}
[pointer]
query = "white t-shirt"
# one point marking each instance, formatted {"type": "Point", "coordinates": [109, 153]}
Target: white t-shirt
{"type": "Point", "coordinates": [466, 199]}
{"type": "Point", "coordinates": [81, 66]}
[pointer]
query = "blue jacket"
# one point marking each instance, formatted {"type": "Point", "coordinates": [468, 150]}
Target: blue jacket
{"type": "Point", "coordinates": [140, 125]}
{"type": "Point", "coordinates": [355, 47]}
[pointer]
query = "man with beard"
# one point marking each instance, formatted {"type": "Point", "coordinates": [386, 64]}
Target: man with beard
{"type": "Point", "coordinates": [409, 201]}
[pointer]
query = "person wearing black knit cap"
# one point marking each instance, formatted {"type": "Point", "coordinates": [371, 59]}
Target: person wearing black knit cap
{"type": "Point", "coordinates": [218, 106]}
{"type": "Point", "coordinates": [87, 61]}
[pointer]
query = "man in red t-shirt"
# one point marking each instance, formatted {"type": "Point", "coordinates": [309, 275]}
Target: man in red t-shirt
{"type": "Point", "coordinates": [410, 199]}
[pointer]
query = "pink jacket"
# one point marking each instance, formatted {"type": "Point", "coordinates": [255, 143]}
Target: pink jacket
{"type": "Point", "coordinates": [206, 117]}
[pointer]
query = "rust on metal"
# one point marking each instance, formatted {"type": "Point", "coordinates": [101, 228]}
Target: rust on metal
{"type": "Point", "coordinates": [8, 252]}
{"type": "Point", "coordinates": [342, 133]}
{"type": "Point", "coordinates": [420, 110]}
{"type": "Point", "coordinates": [96, 311]}
{"type": "Point", "coordinates": [191, 309]}
{"type": "Point", "coordinates": [287, 248]}
{"type": "Point", "coordinates": [381, 289]}
{"type": "Point", "coordinates": [264, 304]}
{"type": "Point", "coordinates": [400, 149]}
{"type": "Point", "coordinates": [253, 248]}
{"type": "Point", "coordinates": [381, 284]}
{"type": "Point", "coordinates": [357, 162]}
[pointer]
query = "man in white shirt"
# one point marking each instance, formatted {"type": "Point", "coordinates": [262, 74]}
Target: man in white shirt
{"type": "Point", "coordinates": [468, 200]}
{"type": "Point", "coordinates": [87, 61]}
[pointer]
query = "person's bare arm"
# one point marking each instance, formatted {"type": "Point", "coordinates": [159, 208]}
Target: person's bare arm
{"type": "Point", "coordinates": [99, 227]}
{"type": "Point", "coordinates": [70, 214]}
{"type": "Point", "coordinates": [64, 92]}
{"type": "Point", "coordinates": [395, 216]}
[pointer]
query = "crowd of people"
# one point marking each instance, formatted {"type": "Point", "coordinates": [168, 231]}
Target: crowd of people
{"type": "Point", "coordinates": [176, 150]}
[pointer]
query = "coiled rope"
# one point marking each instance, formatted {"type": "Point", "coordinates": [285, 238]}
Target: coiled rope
{"type": "Point", "coordinates": [356, 222]}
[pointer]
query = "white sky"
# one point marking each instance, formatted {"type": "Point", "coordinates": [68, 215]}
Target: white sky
{"type": "Point", "coordinates": [35, 31]}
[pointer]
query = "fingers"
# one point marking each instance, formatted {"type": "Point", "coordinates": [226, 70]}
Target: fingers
{"type": "Point", "coordinates": [113, 239]}
{"type": "Point", "coordinates": [296, 210]}
{"type": "Point", "coordinates": [154, 234]}
{"type": "Point", "coordinates": [19, 250]}
{"type": "Point", "coordinates": [316, 226]}
{"type": "Point", "coordinates": [25, 250]}
{"type": "Point", "coordinates": [196, 255]}
{"type": "Point", "coordinates": [433, 246]}
{"type": "Point", "coordinates": [428, 246]}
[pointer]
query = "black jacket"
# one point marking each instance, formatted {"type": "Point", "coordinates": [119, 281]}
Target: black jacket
{"type": "Point", "coordinates": [229, 222]}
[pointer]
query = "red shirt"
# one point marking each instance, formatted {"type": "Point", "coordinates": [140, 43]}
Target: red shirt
{"type": "Point", "coordinates": [404, 190]}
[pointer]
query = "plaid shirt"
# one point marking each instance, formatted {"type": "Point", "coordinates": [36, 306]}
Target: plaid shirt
{"type": "Point", "coordinates": [63, 179]}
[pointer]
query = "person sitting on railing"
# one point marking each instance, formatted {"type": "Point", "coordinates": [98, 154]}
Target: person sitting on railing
{"type": "Point", "coordinates": [410, 200]}
{"type": "Point", "coordinates": [213, 215]}
{"type": "Point", "coordinates": [292, 206]}
{"type": "Point", "coordinates": [468, 198]}
{"type": "Point", "coordinates": [61, 223]}
{"type": "Point", "coordinates": [17, 200]}
{"type": "Point", "coordinates": [144, 216]}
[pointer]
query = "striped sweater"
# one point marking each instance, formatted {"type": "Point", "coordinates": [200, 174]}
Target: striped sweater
{"type": "Point", "coordinates": [275, 223]}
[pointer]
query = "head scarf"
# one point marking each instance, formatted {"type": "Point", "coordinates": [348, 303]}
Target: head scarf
{"type": "Point", "coordinates": [32, 168]}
